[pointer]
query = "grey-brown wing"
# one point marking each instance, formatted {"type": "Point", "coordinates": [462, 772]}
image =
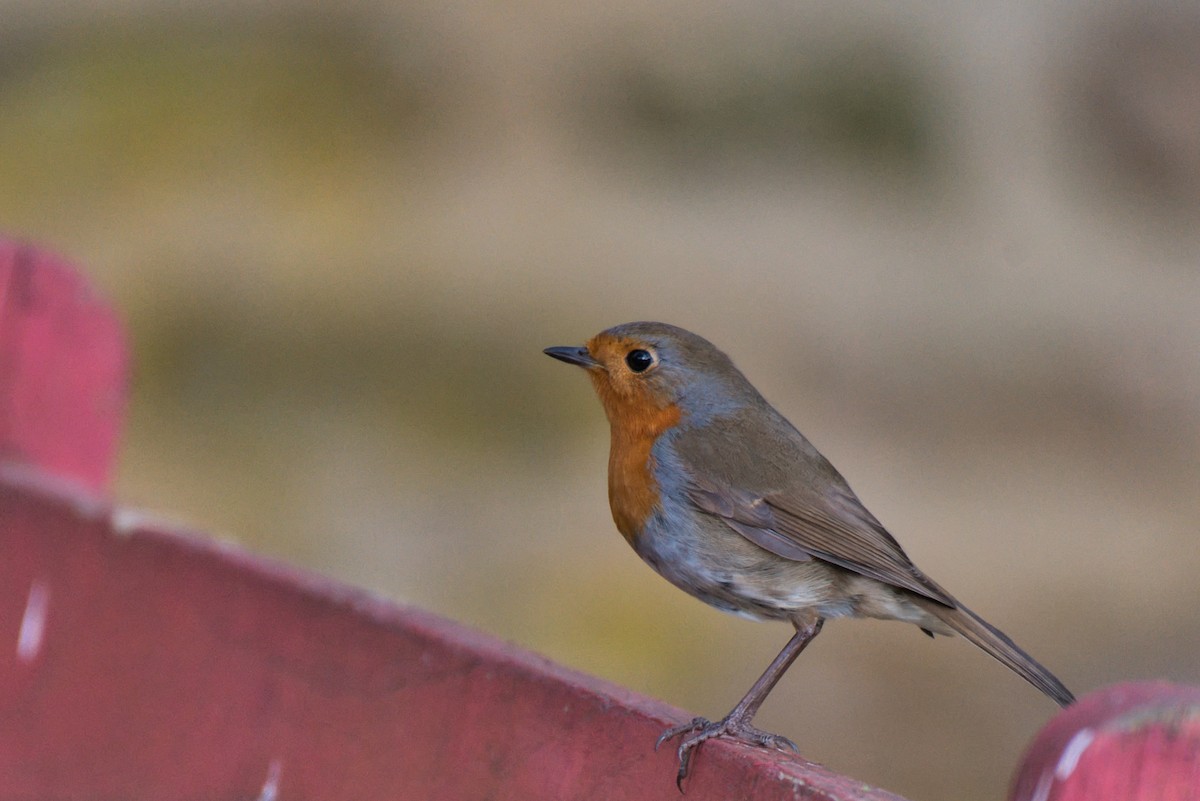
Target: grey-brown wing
{"type": "Point", "coordinates": [747, 515]}
{"type": "Point", "coordinates": [832, 525]}
{"type": "Point", "coordinates": [840, 530]}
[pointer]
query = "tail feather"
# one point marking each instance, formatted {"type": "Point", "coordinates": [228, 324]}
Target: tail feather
{"type": "Point", "coordinates": [996, 643]}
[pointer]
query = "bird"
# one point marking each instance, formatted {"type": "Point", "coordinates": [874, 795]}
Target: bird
{"type": "Point", "coordinates": [724, 498]}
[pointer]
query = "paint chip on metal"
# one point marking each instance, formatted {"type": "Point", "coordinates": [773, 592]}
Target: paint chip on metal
{"type": "Point", "coordinates": [33, 623]}
{"type": "Point", "coordinates": [1071, 754]}
{"type": "Point", "coordinates": [270, 788]}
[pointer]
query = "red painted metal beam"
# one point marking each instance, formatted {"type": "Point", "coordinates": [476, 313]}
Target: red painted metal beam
{"type": "Point", "coordinates": [63, 368]}
{"type": "Point", "coordinates": [1130, 742]}
{"type": "Point", "coordinates": [141, 663]}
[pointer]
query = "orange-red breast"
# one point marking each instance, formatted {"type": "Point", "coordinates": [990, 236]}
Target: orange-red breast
{"type": "Point", "coordinates": [725, 499]}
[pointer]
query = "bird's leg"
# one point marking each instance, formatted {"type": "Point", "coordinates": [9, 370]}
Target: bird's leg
{"type": "Point", "coordinates": [736, 725]}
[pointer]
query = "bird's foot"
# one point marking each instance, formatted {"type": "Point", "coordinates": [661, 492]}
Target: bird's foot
{"type": "Point", "coordinates": [732, 727]}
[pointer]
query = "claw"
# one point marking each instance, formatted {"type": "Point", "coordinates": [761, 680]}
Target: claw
{"type": "Point", "coordinates": [699, 729]}
{"type": "Point", "coordinates": [695, 725]}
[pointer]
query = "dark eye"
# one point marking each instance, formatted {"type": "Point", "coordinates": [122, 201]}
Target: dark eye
{"type": "Point", "coordinates": [639, 360]}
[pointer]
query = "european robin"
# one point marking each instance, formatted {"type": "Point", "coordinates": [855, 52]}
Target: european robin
{"type": "Point", "coordinates": [726, 500]}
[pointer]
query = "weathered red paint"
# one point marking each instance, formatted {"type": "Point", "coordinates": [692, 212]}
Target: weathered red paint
{"type": "Point", "coordinates": [62, 368]}
{"type": "Point", "coordinates": [1129, 742]}
{"type": "Point", "coordinates": [173, 667]}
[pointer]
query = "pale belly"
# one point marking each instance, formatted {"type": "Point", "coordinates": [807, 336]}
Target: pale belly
{"type": "Point", "coordinates": [708, 560]}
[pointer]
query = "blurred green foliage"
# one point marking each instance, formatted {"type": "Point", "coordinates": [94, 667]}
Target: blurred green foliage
{"type": "Point", "coordinates": [218, 361]}
{"type": "Point", "coordinates": [865, 104]}
{"type": "Point", "coordinates": [110, 105]}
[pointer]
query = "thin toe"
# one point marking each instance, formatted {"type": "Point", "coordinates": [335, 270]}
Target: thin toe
{"type": "Point", "coordinates": [696, 724]}
{"type": "Point", "coordinates": [693, 734]}
{"type": "Point", "coordinates": [781, 743]}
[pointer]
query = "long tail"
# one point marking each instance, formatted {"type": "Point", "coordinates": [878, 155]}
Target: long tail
{"type": "Point", "coordinates": [995, 642]}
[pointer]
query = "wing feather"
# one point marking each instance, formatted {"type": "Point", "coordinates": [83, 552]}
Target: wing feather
{"type": "Point", "coordinates": [797, 507]}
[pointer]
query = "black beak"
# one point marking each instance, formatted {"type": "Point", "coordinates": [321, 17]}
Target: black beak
{"type": "Point", "coordinates": [572, 355]}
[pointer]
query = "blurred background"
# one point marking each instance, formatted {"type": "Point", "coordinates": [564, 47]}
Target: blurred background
{"type": "Point", "coordinates": [958, 244]}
